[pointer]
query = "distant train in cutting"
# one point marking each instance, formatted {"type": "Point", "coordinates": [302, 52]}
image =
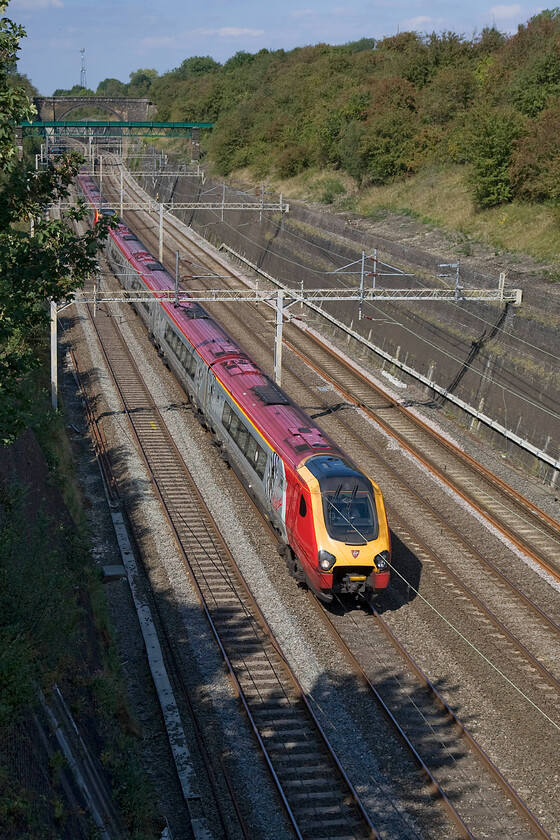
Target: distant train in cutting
{"type": "Point", "coordinates": [329, 516]}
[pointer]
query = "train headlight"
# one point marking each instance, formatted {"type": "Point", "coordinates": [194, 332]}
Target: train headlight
{"type": "Point", "coordinates": [382, 561]}
{"type": "Point", "coordinates": [326, 560]}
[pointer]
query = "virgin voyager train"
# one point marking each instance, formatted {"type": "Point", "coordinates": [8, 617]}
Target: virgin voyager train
{"type": "Point", "coordinates": [329, 515]}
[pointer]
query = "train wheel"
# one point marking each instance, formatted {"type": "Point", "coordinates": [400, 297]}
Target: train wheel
{"type": "Point", "coordinates": [293, 565]}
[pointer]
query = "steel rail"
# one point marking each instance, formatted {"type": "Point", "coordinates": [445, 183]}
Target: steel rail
{"type": "Point", "coordinates": [551, 680]}
{"type": "Point", "coordinates": [499, 482]}
{"type": "Point", "coordinates": [520, 594]}
{"type": "Point", "coordinates": [98, 438]}
{"type": "Point", "coordinates": [260, 618]}
{"type": "Point", "coordinates": [499, 777]}
{"type": "Point", "coordinates": [423, 680]}
{"type": "Point", "coordinates": [433, 468]}
{"type": "Point", "coordinates": [462, 456]}
{"type": "Point", "coordinates": [112, 489]}
{"type": "Point", "coordinates": [428, 463]}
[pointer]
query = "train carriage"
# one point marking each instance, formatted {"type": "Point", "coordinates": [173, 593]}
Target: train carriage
{"type": "Point", "coordinates": [329, 516]}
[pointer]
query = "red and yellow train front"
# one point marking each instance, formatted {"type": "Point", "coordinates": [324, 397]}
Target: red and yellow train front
{"type": "Point", "coordinates": [347, 538]}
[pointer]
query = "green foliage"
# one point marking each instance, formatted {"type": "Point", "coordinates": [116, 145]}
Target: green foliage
{"type": "Point", "coordinates": [489, 41]}
{"type": "Point", "coordinates": [46, 589]}
{"type": "Point", "coordinates": [451, 92]}
{"type": "Point", "coordinates": [76, 90]}
{"type": "Point", "coordinates": [363, 44]}
{"type": "Point", "coordinates": [39, 622]}
{"type": "Point", "coordinates": [240, 59]}
{"type": "Point", "coordinates": [111, 87]}
{"type": "Point", "coordinates": [330, 189]}
{"type": "Point", "coordinates": [196, 66]}
{"type": "Point", "coordinates": [15, 106]}
{"type": "Point", "coordinates": [384, 144]}
{"type": "Point", "coordinates": [379, 110]}
{"type": "Point", "coordinates": [20, 80]}
{"type": "Point", "coordinates": [535, 163]}
{"type": "Point", "coordinates": [140, 82]}
{"type": "Point", "coordinates": [492, 135]}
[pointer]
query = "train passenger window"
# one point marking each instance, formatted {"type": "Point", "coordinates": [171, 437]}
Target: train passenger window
{"type": "Point", "coordinates": [302, 506]}
{"type": "Point", "coordinates": [242, 438]}
{"type": "Point", "coordinates": [234, 426]}
{"type": "Point", "coordinates": [181, 350]}
{"type": "Point", "coordinates": [251, 449]}
{"type": "Point", "coordinates": [260, 465]}
{"type": "Point", "coordinates": [249, 446]}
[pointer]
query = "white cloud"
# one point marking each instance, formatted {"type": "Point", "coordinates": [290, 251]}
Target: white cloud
{"type": "Point", "coordinates": [506, 12]}
{"type": "Point", "coordinates": [33, 5]}
{"type": "Point", "coordinates": [184, 40]}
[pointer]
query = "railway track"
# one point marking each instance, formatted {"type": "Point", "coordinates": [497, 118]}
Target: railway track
{"type": "Point", "coordinates": [532, 527]}
{"type": "Point", "coordinates": [541, 534]}
{"type": "Point", "coordinates": [195, 806]}
{"type": "Point", "coordinates": [532, 530]}
{"type": "Point", "coordinates": [313, 787]}
{"type": "Point", "coordinates": [430, 729]}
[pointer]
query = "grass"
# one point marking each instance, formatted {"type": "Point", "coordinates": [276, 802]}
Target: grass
{"type": "Point", "coordinates": [439, 197]}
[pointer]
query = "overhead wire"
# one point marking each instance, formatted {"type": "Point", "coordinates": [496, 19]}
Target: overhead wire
{"type": "Point", "coordinates": [464, 638]}
{"type": "Point", "coordinates": [328, 251]}
{"type": "Point", "coordinates": [525, 398]}
{"type": "Point", "coordinates": [450, 624]}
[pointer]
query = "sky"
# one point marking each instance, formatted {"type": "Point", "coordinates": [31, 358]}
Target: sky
{"type": "Point", "coordinates": [120, 36]}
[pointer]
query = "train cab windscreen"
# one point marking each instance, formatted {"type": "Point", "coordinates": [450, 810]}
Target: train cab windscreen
{"type": "Point", "coordinates": [348, 500]}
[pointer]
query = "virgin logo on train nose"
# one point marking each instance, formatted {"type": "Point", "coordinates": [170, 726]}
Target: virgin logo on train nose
{"type": "Point", "coordinates": [355, 554]}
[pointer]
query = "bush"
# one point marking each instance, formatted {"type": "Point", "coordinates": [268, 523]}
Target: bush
{"type": "Point", "coordinates": [492, 136]}
{"type": "Point", "coordinates": [535, 163]}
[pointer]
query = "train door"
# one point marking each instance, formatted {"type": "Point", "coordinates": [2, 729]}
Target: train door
{"type": "Point", "coordinates": [303, 539]}
{"type": "Point", "coordinates": [275, 486]}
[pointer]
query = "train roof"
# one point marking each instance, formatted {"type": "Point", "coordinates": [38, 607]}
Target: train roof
{"type": "Point", "coordinates": [288, 429]}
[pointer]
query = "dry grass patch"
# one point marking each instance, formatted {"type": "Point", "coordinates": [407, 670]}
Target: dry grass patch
{"type": "Point", "coordinates": [440, 198]}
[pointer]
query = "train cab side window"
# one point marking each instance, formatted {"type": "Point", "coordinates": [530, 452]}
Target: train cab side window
{"type": "Point", "coordinates": [302, 506]}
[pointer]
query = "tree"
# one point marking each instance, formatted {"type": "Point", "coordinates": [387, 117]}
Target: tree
{"type": "Point", "coordinates": [492, 137]}
{"type": "Point", "coordinates": [535, 162]}
{"type": "Point", "coordinates": [141, 82]}
{"type": "Point", "coordinates": [385, 141]}
{"type": "Point", "coordinates": [76, 90]}
{"type": "Point", "coordinates": [111, 87]}
{"type": "Point", "coordinates": [51, 264]}
{"type": "Point", "coordinates": [197, 65]}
